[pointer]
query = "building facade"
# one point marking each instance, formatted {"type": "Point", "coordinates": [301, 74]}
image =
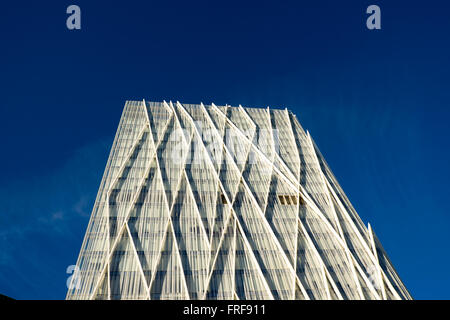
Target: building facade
{"type": "Point", "coordinates": [220, 202]}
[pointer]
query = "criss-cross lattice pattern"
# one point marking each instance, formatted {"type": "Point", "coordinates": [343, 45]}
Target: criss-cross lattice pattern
{"type": "Point", "coordinates": [221, 202]}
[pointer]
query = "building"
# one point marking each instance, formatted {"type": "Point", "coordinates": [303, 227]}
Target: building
{"type": "Point", "coordinates": [220, 202]}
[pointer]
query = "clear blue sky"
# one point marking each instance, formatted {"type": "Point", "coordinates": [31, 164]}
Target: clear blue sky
{"type": "Point", "coordinates": [376, 103]}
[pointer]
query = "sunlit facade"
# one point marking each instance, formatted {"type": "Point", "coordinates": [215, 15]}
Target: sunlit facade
{"type": "Point", "coordinates": [220, 202]}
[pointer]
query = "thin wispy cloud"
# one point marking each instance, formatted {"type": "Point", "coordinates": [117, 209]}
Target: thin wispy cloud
{"type": "Point", "coordinates": [46, 216]}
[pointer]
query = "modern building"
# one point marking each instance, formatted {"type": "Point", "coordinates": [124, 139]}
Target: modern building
{"type": "Point", "coordinates": [220, 202]}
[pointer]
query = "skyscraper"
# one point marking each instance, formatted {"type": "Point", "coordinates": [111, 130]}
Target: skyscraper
{"type": "Point", "coordinates": [221, 202]}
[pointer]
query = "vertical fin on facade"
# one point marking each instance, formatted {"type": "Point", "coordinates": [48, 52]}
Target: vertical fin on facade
{"type": "Point", "coordinates": [332, 253]}
{"type": "Point", "coordinates": [102, 292]}
{"type": "Point", "coordinates": [282, 213]}
{"type": "Point", "coordinates": [221, 283]}
{"type": "Point", "coordinates": [127, 185]}
{"type": "Point", "coordinates": [310, 269]}
{"type": "Point", "coordinates": [172, 153]}
{"type": "Point", "coordinates": [202, 181]}
{"type": "Point", "coordinates": [158, 118]}
{"type": "Point", "coordinates": [250, 282]}
{"type": "Point", "coordinates": [169, 282]}
{"type": "Point", "coordinates": [278, 270]}
{"type": "Point", "coordinates": [148, 221]}
{"type": "Point", "coordinates": [126, 280]}
{"type": "Point", "coordinates": [193, 244]}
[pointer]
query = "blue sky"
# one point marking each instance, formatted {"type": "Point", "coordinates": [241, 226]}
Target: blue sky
{"type": "Point", "coordinates": [376, 103]}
